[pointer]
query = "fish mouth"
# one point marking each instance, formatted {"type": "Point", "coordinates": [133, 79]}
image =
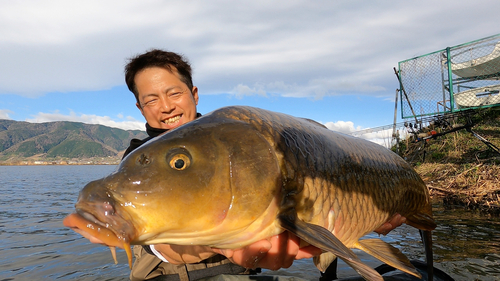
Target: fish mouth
{"type": "Point", "coordinates": [114, 225]}
{"type": "Point", "coordinates": [104, 214]}
{"type": "Point", "coordinates": [104, 228]}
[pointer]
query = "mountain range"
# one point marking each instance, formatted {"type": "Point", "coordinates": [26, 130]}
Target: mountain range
{"type": "Point", "coordinates": [61, 140]}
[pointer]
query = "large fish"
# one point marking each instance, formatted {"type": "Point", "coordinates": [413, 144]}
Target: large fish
{"type": "Point", "coordinates": [241, 174]}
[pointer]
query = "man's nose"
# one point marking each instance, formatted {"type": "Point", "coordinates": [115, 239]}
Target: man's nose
{"type": "Point", "coordinates": [166, 104]}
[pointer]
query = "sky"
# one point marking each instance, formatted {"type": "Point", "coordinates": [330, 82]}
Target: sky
{"type": "Point", "coordinates": [330, 61]}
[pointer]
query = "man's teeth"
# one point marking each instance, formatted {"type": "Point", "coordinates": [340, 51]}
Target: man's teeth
{"type": "Point", "coordinates": [172, 120]}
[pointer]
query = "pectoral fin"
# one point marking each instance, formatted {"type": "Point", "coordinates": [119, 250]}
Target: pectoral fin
{"type": "Point", "coordinates": [387, 254]}
{"type": "Point", "coordinates": [322, 238]}
{"type": "Point", "coordinates": [421, 221]}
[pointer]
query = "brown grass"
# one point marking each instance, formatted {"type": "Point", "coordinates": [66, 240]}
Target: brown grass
{"type": "Point", "coordinates": [476, 187]}
{"type": "Point", "coordinates": [458, 168]}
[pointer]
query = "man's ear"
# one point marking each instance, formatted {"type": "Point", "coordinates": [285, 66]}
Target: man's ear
{"type": "Point", "coordinates": [140, 108]}
{"type": "Point", "coordinates": [194, 91]}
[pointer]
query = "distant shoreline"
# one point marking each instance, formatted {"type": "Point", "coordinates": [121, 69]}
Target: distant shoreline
{"type": "Point", "coordinates": [60, 162]}
{"type": "Point", "coordinates": [8, 164]}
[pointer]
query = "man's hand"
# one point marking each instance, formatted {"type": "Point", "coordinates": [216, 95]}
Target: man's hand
{"type": "Point", "coordinates": [274, 253]}
{"type": "Point", "coordinates": [182, 254]}
{"type": "Point", "coordinates": [395, 221]}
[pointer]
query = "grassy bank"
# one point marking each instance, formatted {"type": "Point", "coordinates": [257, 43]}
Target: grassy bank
{"type": "Point", "coordinates": [458, 168]}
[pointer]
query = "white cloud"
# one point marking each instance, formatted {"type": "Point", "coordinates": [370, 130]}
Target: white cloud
{"type": "Point", "coordinates": [129, 124]}
{"type": "Point", "coordinates": [381, 137]}
{"type": "Point", "coordinates": [4, 113]}
{"type": "Point", "coordinates": [345, 127]}
{"type": "Point", "coordinates": [316, 88]}
{"type": "Point", "coordinates": [315, 48]}
{"type": "Point", "coordinates": [60, 22]}
{"type": "Point", "coordinates": [244, 90]}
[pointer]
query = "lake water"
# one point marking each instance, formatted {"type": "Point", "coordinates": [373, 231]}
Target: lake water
{"type": "Point", "coordinates": [36, 246]}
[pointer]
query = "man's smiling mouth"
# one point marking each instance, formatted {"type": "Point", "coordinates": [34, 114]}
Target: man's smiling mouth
{"type": "Point", "coordinates": [172, 120]}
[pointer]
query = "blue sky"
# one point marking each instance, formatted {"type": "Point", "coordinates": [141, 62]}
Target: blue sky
{"type": "Point", "coordinates": [330, 61]}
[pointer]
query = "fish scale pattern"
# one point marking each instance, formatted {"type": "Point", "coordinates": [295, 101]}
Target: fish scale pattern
{"type": "Point", "coordinates": [272, 172]}
{"type": "Point", "coordinates": [345, 184]}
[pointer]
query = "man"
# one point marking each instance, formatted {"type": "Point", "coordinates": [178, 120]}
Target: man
{"type": "Point", "coordinates": [162, 84]}
{"type": "Point", "coordinates": [165, 95]}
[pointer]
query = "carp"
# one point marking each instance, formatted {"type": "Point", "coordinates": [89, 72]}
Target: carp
{"type": "Point", "coordinates": [241, 174]}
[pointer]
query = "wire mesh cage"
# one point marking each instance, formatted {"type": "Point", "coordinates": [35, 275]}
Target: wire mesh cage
{"type": "Point", "coordinates": [453, 79]}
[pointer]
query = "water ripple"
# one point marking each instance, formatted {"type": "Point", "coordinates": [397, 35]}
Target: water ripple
{"type": "Point", "coordinates": [35, 245]}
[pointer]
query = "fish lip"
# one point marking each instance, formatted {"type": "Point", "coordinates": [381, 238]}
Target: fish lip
{"type": "Point", "coordinates": [120, 226]}
{"type": "Point", "coordinates": [91, 218]}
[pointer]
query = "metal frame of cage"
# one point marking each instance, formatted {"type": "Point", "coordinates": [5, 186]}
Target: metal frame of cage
{"type": "Point", "coordinates": [454, 79]}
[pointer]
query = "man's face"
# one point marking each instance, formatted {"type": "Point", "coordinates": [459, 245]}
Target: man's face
{"type": "Point", "coordinates": [164, 100]}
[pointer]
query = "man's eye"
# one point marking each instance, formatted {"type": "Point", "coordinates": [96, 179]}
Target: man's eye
{"type": "Point", "coordinates": [150, 102]}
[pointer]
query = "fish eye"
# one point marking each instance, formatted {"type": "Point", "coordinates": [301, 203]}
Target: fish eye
{"type": "Point", "coordinates": [179, 161]}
